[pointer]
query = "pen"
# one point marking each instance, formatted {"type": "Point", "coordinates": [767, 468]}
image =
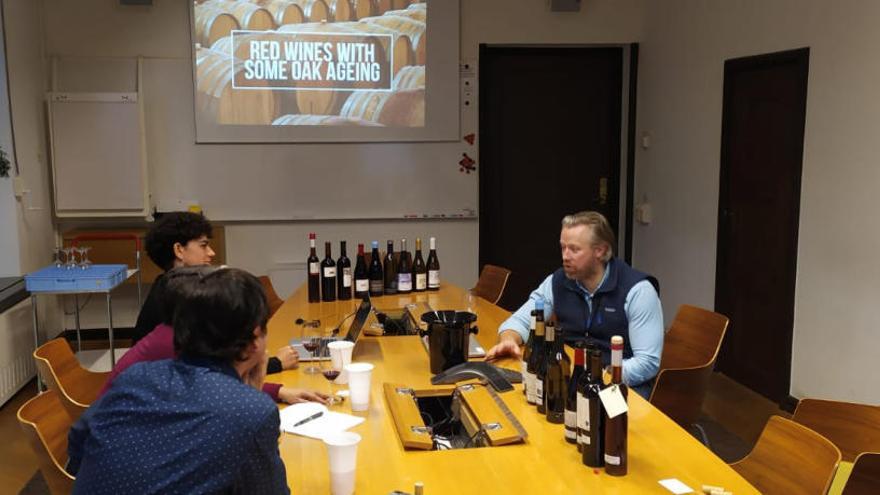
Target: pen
{"type": "Point", "coordinates": [304, 421]}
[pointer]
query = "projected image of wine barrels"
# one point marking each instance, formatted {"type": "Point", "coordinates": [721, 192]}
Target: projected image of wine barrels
{"type": "Point", "coordinates": [283, 11]}
{"type": "Point", "coordinates": [216, 101]}
{"type": "Point", "coordinates": [410, 27]}
{"type": "Point", "coordinates": [211, 25]}
{"type": "Point", "coordinates": [315, 10]}
{"type": "Point", "coordinates": [248, 15]}
{"type": "Point", "coordinates": [323, 120]}
{"type": "Point", "coordinates": [404, 108]}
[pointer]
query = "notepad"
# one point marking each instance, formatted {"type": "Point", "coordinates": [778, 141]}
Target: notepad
{"type": "Point", "coordinates": [328, 422]}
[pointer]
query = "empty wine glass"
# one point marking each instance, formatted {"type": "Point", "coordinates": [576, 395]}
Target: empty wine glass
{"type": "Point", "coordinates": [56, 254]}
{"type": "Point", "coordinates": [69, 260]}
{"type": "Point", "coordinates": [84, 261]}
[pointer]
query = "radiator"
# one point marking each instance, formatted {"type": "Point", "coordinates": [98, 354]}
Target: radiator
{"type": "Point", "coordinates": [16, 348]}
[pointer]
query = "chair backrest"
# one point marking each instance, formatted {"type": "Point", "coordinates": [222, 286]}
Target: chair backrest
{"type": "Point", "coordinates": [272, 297]}
{"type": "Point", "coordinates": [46, 424]}
{"type": "Point", "coordinates": [490, 286]}
{"type": "Point", "coordinates": [790, 459]}
{"type": "Point", "coordinates": [689, 351]}
{"type": "Point", "coordinates": [694, 338]}
{"type": "Point", "coordinates": [854, 428]}
{"type": "Point", "coordinates": [76, 386]}
{"type": "Point", "coordinates": [865, 476]}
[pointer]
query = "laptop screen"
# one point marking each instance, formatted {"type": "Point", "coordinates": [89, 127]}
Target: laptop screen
{"type": "Point", "coordinates": [360, 318]}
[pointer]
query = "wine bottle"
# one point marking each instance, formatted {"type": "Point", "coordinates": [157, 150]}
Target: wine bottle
{"type": "Point", "coordinates": [582, 408]}
{"type": "Point", "coordinates": [343, 274]}
{"type": "Point", "coordinates": [536, 354]}
{"type": "Point", "coordinates": [420, 272]}
{"type": "Point", "coordinates": [571, 424]}
{"type": "Point", "coordinates": [433, 267]}
{"type": "Point", "coordinates": [616, 427]}
{"type": "Point", "coordinates": [390, 270]}
{"type": "Point", "coordinates": [404, 270]}
{"type": "Point", "coordinates": [361, 276]}
{"type": "Point", "coordinates": [594, 423]}
{"type": "Point", "coordinates": [377, 278]}
{"type": "Point", "coordinates": [328, 276]}
{"type": "Point", "coordinates": [556, 377]}
{"type": "Point", "coordinates": [541, 369]}
{"type": "Point", "coordinates": [527, 354]}
{"type": "Point", "coordinates": [314, 272]}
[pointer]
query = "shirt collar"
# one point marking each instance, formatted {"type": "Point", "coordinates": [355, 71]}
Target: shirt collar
{"type": "Point", "coordinates": [214, 364]}
{"type": "Point", "coordinates": [583, 289]}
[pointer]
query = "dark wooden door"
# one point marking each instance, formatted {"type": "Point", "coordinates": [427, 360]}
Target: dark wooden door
{"type": "Point", "coordinates": [550, 138]}
{"type": "Point", "coordinates": [759, 202]}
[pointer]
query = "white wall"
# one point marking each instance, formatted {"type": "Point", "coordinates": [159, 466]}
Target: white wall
{"type": "Point", "coordinates": [9, 259]}
{"type": "Point", "coordinates": [680, 100]}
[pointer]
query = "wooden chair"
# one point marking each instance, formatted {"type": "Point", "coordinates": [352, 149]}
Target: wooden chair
{"type": "Point", "coordinates": [490, 286]}
{"type": "Point", "coordinates": [789, 459]}
{"type": "Point", "coordinates": [690, 348]}
{"type": "Point", "coordinates": [76, 386]}
{"type": "Point", "coordinates": [272, 297]}
{"type": "Point", "coordinates": [45, 423]}
{"type": "Point", "coordinates": [865, 476]}
{"type": "Point", "coordinates": [854, 428]}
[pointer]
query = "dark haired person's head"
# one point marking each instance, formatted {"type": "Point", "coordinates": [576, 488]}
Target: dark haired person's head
{"type": "Point", "coordinates": [221, 314]}
{"type": "Point", "coordinates": [174, 287]}
{"type": "Point", "coordinates": [180, 238]}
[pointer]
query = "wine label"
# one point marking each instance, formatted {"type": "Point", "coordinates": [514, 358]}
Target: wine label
{"type": "Point", "coordinates": [530, 388]}
{"type": "Point", "coordinates": [377, 286]}
{"type": "Point", "coordinates": [583, 418]}
{"type": "Point", "coordinates": [362, 285]}
{"type": "Point", "coordinates": [313, 268]}
{"type": "Point", "coordinates": [421, 281]}
{"type": "Point", "coordinates": [539, 390]}
{"type": "Point", "coordinates": [534, 322]}
{"type": "Point", "coordinates": [570, 424]}
{"type": "Point", "coordinates": [433, 278]}
{"type": "Point", "coordinates": [404, 282]}
{"type": "Point", "coordinates": [346, 277]}
{"type": "Point", "coordinates": [613, 401]}
{"type": "Point", "coordinates": [329, 271]}
{"type": "Point", "coordinates": [614, 460]}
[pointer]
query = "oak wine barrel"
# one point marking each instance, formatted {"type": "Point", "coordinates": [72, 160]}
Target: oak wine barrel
{"type": "Point", "coordinates": [314, 10]}
{"type": "Point", "coordinates": [283, 11]}
{"type": "Point", "coordinates": [249, 16]}
{"type": "Point", "coordinates": [410, 27]}
{"type": "Point", "coordinates": [328, 120]}
{"type": "Point", "coordinates": [410, 77]}
{"type": "Point", "coordinates": [394, 109]}
{"type": "Point", "coordinates": [211, 25]}
{"type": "Point", "coordinates": [216, 99]}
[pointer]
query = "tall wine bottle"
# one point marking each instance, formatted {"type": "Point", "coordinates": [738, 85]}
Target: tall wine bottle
{"type": "Point", "coordinates": [433, 267]}
{"type": "Point", "coordinates": [343, 274]}
{"type": "Point", "coordinates": [420, 271]}
{"type": "Point", "coordinates": [328, 276]}
{"type": "Point", "coordinates": [361, 276]}
{"type": "Point", "coordinates": [541, 369]}
{"type": "Point", "coordinates": [314, 271]}
{"type": "Point", "coordinates": [571, 403]}
{"type": "Point", "coordinates": [536, 355]}
{"type": "Point", "coordinates": [390, 270]}
{"type": "Point", "coordinates": [556, 376]}
{"type": "Point", "coordinates": [404, 270]}
{"type": "Point", "coordinates": [527, 354]}
{"type": "Point", "coordinates": [616, 427]}
{"type": "Point", "coordinates": [377, 278]}
{"type": "Point", "coordinates": [593, 427]}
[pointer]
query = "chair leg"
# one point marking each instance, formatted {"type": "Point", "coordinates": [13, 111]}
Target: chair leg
{"type": "Point", "coordinates": [703, 437]}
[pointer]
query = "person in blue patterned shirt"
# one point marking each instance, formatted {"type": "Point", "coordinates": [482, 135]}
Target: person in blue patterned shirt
{"type": "Point", "coordinates": [195, 424]}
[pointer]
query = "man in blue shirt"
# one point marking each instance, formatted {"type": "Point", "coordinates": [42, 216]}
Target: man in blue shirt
{"type": "Point", "coordinates": [196, 424]}
{"type": "Point", "coordinates": [594, 297]}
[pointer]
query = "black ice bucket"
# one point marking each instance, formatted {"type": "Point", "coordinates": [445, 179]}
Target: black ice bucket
{"type": "Point", "coordinates": [448, 337]}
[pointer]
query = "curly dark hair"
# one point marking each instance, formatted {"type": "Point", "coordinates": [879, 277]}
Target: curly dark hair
{"type": "Point", "coordinates": [172, 286]}
{"type": "Point", "coordinates": [171, 228]}
{"type": "Point", "coordinates": [216, 313]}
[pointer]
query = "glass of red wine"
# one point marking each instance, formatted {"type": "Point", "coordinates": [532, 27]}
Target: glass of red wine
{"type": "Point", "coordinates": [312, 342]}
{"type": "Point", "coordinates": [330, 374]}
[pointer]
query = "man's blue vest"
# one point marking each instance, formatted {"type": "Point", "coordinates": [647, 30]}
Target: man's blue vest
{"type": "Point", "coordinates": [607, 318]}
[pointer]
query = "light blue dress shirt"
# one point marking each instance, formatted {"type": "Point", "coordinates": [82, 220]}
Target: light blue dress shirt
{"type": "Point", "coordinates": [643, 311]}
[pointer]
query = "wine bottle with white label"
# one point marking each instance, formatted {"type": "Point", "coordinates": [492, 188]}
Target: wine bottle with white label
{"type": "Point", "coordinates": [535, 356]}
{"type": "Point", "coordinates": [343, 274]}
{"type": "Point", "coordinates": [433, 267]}
{"type": "Point", "coordinates": [420, 272]}
{"type": "Point", "coordinates": [593, 425]}
{"type": "Point", "coordinates": [314, 271]}
{"type": "Point", "coordinates": [377, 277]}
{"type": "Point", "coordinates": [556, 376]}
{"type": "Point", "coordinates": [404, 270]}
{"type": "Point", "coordinates": [571, 434]}
{"type": "Point", "coordinates": [328, 276]}
{"type": "Point", "coordinates": [616, 427]}
{"type": "Point", "coordinates": [361, 276]}
{"type": "Point", "coordinates": [527, 354]}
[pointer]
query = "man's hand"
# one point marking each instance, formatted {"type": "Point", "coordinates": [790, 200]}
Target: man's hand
{"type": "Point", "coordinates": [507, 346]}
{"type": "Point", "coordinates": [294, 395]}
{"type": "Point", "coordinates": [289, 357]}
{"type": "Point", "coordinates": [257, 375]}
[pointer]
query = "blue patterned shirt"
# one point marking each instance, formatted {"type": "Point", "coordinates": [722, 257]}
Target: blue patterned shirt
{"type": "Point", "coordinates": [184, 426]}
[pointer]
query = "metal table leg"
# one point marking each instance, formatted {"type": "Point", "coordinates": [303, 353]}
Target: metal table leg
{"type": "Point", "coordinates": [110, 327]}
{"type": "Point", "coordinates": [40, 387]}
{"type": "Point", "coordinates": [76, 318]}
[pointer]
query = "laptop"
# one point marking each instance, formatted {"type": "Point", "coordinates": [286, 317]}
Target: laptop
{"type": "Point", "coordinates": [354, 331]}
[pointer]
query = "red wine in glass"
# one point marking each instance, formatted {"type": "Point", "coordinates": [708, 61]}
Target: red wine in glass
{"type": "Point", "coordinates": [311, 345]}
{"type": "Point", "coordinates": [330, 374]}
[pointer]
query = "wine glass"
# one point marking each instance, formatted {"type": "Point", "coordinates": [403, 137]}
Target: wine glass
{"type": "Point", "coordinates": [56, 253]}
{"type": "Point", "coordinates": [84, 261]}
{"type": "Point", "coordinates": [330, 373]}
{"type": "Point", "coordinates": [69, 260]}
{"type": "Point", "coordinates": [312, 342]}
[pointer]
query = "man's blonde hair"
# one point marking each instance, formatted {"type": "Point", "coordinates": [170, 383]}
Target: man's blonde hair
{"type": "Point", "coordinates": [602, 232]}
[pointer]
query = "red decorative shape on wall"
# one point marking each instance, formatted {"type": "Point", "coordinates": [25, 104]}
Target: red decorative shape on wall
{"type": "Point", "coordinates": [467, 164]}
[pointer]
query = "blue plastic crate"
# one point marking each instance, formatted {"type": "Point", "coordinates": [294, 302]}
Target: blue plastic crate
{"type": "Point", "coordinates": [94, 278]}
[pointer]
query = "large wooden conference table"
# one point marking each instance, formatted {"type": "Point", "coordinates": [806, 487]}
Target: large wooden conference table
{"type": "Point", "coordinates": [545, 463]}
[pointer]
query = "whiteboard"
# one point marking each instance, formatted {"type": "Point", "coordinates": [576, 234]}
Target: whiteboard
{"type": "Point", "coordinates": [97, 154]}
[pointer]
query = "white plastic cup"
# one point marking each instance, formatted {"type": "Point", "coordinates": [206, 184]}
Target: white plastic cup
{"type": "Point", "coordinates": [359, 385]}
{"type": "Point", "coordinates": [340, 355]}
{"type": "Point", "coordinates": [342, 453]}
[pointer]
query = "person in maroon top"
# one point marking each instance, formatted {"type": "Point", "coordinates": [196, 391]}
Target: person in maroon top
{"type": "Point", "coordinates": [159, 343]}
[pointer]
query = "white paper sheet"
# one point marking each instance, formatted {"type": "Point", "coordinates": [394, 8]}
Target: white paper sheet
{"type": "Point", "coordinates": [329, 422]}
